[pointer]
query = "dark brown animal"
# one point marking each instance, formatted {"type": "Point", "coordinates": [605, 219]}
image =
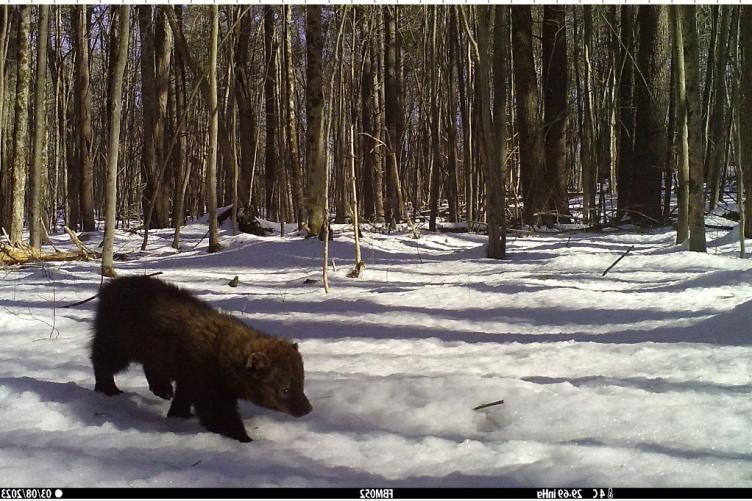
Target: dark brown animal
{"type": "Point", "coordinates": [213, 358]}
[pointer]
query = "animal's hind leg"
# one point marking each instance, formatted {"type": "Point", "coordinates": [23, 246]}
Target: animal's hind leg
{"type": "Point", "coordinates": [159, 384]}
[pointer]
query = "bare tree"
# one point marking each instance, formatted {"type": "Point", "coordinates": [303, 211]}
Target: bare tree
{"type": "Point", "coordinates": [315, 145]}
{"type": "Point", "coordinates": [83, 115]}
{"type": "Point", "coordinates": [38, 168]}
{"type": "Point", "coordinates": [651, 104]}
{"type": "Point", "coordinates": [211, 171]}
{"type": "Point", "coordinates": [555, 99]}
{"type": "Point", "coordinates": [119, 58]}
{"type": "Point", "coordinates": [532, 157]}
{"type": "Point", "coordinates": [20, 126]}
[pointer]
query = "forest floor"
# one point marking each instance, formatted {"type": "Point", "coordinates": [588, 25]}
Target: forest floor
{"type": "Point", "coordinates": [638, 378]}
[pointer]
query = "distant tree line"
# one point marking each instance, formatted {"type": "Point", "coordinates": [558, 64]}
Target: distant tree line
{"type": "Point", "coordinates": [509, 116]}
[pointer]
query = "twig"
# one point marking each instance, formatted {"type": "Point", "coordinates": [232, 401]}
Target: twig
{"type": "Point", "coordinates": [490, 404]}
{"type": "Point", "coordinates": [615, 262]}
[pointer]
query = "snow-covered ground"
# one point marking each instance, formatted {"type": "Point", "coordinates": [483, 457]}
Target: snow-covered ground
{"type": "Point", "coordinates": [639, 378]}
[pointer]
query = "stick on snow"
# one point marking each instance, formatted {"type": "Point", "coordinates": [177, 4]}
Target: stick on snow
{"type": "Point", "coordinates": [491, 404]}
{"type": "Point", "coordinates": [615, 262]}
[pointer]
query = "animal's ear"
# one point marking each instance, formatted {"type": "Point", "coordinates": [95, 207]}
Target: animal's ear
{"type": "Point", "coordinates": [258, 362]}
{"type": "Point", "coordinates": [295, 345]}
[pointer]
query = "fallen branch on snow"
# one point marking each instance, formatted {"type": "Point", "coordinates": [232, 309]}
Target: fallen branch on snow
{"type": "Point", "coordinates": [491, 404]}
{"type": "Point", "coordinates": [615, 262]}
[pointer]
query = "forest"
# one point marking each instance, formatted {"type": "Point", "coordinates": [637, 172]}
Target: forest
{"type": "Point", "coordinates": [531, 220]}
{"type": "Point", "coordinates": [504, 118]}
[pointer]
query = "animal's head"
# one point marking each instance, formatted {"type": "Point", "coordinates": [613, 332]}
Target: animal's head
{"type": "Point", "coordinates": [274, 375]}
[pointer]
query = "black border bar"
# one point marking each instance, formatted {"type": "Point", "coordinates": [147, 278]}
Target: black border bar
{"type": "Point", "coordinates": [375, 492]}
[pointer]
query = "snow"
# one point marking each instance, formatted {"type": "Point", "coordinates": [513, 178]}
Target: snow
{"type": "Point", "coordinates": [640, 378]}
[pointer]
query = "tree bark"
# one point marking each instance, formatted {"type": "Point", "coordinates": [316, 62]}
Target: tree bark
{"type": "Point", "coordinates": [651, 103]}
{"type": "Point", "coordinates": [20, 126]}
{"type": "Point", "coordinates": [38, 168]}
{"type": "Point", "coordinates": [83, 113]}
{"type": "Point", "coordinates": [392, 116]}
{"type": "Point", "coordinates": [118, 59]}
{"type": "Point", "coordinates": [745, 122]}
{"type": "Point", "coordinates": [555, 92]}
{"type": "Point", "coordinates": [625, 161]}
{"type": "Point", "coordinates": [435, 121]}
{"type": "Point", "coordinates": [315, 153]}
{"type": "Point", "coordinates": [682, 228]}
{"type": "Point", "coordinates": [532, 156]}
{"type": "Point", "coordinates": [211, 171]}
{"type": "Point", "coordinates": [292, 121]}
{"type": "Point", "coordinates": [270, 149]}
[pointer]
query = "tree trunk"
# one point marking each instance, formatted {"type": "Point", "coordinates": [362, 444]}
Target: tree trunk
{"type": "Point", "coordinates": [715, 147]}
{"type": "Point", "coordinates": [651, 103]}
{"type": "Point", "coordinates": [696, 216]}
{"type": "Point", "coordinates": [392, 115]}
{"type": "Point", "coordinates": [555, 94]}
{"type": "Point", "coordinates": [270, 149]}
{"type": "Point", "coordinates": [368, 145]}
{"type": "Point", "coordinates": [451, 120]}
{"type": "Point", "coordinates": [315, 145]}
{"type": "Point", "coordinates": [492, 151]}
{"type": "Point", "coordinates": [379, 151]}
{"type": "Point", "coordinates": [292, 121]}
{"type": "Point", "coordinates": [211, 171]}
{"type": "Point", "coordinates": [682, 228]}
{"type": "Point", "coordinates": [745, 115]}
{"type": "Point", "coordinates": [625, 162]}
{"type": "Point", "coordinates": [589, 149]}
{"type": "Point", "coordinates": [83, 113]}
{"type": "Point", "coordinates": [118, 59]}
{"type": "Point", "coordinates": [467, 132]}
{"type": "Point", "coordinates": [435, 121]}
{"type": "Point", "coordinates": [20, 126]}
{"type": "Point", "coordinates": [496, 191]}
{"type": "Point", "coordinates": [38, 168]}
{"type": "Point", "coordinates": [246, 112]}
{"type": "Point", "coordinates": [532, 157]}
{"type": "Point", "coordinates": [6, 183]}
{"type": "Point", "coordinates": [162, 53]}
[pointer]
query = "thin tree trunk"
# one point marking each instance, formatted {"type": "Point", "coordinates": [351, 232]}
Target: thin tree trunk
{"type": "Point", "coordinates": [696, 216]}
{"type": "Point", "coordinates": [118, 59]}
{"type": "Point", "coordinates": [378, 150]}
{"type": "Point", "coordinates": [211, 173]}
{"type": "Point", "coordinates": [392, 115]}
{"type": "Point", "coordinates": [20, 126]}
{"type": "Point", "coordinates": [315, 145]}
{"type": "Point", "coordinates": [83, 112]}
{"type": "Point", "coordinates": [555, 105]}
{"type": "Point", "coordinates": [532, 155]}
{"type": "Point", "coordinates": [38, 168]}
{"type": "Point", "coordinates": [270, 149]}
{"type": "Point", "coordinates": [292, 121]}
{"type": "Point", "coordinates": [682, 229]}
{"type": "Point", "coordinates": [717, 140]}
{"type": "Point", "coordinates": [625, 165]}
{"type": "Point", "coordinates": [435, 121]}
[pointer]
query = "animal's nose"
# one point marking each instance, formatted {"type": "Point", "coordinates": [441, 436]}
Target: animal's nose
{"type": "Point", "coordinates": [303, 408]}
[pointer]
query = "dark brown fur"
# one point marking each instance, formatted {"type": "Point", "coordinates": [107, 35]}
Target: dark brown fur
{"type": "Point", "coordinates": [213, 358]}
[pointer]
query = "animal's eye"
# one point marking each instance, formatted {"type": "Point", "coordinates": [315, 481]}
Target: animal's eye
{"type": "Point", "coordinates": [285, 390]}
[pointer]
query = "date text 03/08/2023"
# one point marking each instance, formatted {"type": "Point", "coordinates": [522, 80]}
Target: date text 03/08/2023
{"type": "Point", "coordinates": [575, 493]}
